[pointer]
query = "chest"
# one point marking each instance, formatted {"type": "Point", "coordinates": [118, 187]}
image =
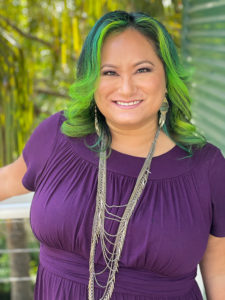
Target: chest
{"type": "Point", "coordinates": [167, 232]}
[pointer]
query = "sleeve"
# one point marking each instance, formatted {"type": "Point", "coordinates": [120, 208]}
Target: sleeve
{"type": "Point", "coordinates": [217, 185]}
{"type": "Point", "coordinates": [38, 149]}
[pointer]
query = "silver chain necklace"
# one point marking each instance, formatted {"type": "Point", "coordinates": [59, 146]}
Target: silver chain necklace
{"type": "Point", "coordinates": [111, 258]}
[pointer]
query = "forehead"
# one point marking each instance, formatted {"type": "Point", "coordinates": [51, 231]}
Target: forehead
{"type": "Point", "coordinates": [129, 41]}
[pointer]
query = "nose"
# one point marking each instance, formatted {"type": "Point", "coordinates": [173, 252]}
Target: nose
{"type": "Point", "coordinates": [127, 86]}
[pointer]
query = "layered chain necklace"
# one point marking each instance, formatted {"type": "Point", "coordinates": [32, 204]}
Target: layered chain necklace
{"type": "Point", "coordinates": [112, 257]}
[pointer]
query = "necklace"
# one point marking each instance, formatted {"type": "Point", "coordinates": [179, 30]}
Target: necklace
{"type": "Point", "coordinates": [111, 258]}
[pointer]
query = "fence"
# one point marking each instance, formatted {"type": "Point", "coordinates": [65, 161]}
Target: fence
{"type": "Point", "coordinates": [18, 251]}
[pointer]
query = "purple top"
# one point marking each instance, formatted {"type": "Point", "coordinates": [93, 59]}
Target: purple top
{"type": "Point", "coordinates": [183, 202]}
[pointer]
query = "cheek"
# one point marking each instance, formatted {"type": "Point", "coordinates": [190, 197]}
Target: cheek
{"type": "Point", "coordinates": [101, 91]}
{"type": "Point", "coordinates": [154, 83]}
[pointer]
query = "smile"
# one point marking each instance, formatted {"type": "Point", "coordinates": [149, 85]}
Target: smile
{"type": "Point", "coordinates": [131, 104]}
{"type": "Point", "coordinates": [128, 103]}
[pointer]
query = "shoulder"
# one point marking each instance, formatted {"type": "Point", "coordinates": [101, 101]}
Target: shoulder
{"type": "Point", "coordinates": [54, 120]}
{"type": "Point", "coordinates": [73, 145]}
{"type": "Point", "coordinates": [43, 138]}
{"type": "Point", "coordinates": [208, 152]}
{"type": "Point", "coordinates": [211, 160]}
{"type": "Point", "coordinates": [48, 127]}
{"type": "Point", "coordinates": [202, 163]}
{"type": "Point", "coordinates": [39, 147]}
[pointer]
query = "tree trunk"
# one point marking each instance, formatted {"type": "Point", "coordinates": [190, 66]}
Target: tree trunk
{"type": "Point", "coordinates": [19, 262]}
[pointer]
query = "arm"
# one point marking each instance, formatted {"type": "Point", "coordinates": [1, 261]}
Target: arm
{"type": "Point", "coordinates": [31, 163]}
{"type": "Point", "coordinates": [11, 179]}
{"type": "Point", "coordinates": [212, 267]}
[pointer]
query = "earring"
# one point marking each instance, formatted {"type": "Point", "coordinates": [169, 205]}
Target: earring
{"type": "Point", "coordinates": [97, 129]}
{"type": "Point", "coordinates": [163, 111]}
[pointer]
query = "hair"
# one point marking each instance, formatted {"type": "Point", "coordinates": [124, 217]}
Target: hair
{"type": "Point", "coordinates": [80, 115]}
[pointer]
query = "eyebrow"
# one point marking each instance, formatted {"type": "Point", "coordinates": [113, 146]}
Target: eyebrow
{"type": "Point", "coordinates": [136, 64]}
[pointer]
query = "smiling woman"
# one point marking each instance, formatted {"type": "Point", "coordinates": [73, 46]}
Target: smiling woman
{"type": "Point", "coordinates": [131, 89]}
{"type": "Point", "coordinates": [133, 220]}
{"type": "Point", "coordinates": [115, 48]}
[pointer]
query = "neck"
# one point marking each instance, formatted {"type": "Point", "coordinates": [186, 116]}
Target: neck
{"type": "Point", "coordinates": [135, 141]}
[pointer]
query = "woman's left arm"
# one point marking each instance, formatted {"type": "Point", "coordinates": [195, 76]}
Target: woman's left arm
{"type": "Point", "coordinates": [212, 267]}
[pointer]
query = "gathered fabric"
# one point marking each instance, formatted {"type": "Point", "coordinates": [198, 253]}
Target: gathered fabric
{"type": "Point", "coordinates": [183, 202]}
{"type": "Point", "coordinates": [69, 272]}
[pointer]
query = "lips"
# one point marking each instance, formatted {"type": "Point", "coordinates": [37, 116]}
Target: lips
{"type": "Point", "coordinates": [127, 104]}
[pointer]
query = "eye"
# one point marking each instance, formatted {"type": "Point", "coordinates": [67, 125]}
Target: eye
{"type": "Point", "coordinates": [108, 73]}
{"type": "Point", "coordinates": [144, 70]}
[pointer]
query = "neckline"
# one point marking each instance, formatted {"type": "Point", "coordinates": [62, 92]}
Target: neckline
{"type": "Point", "coordinates": [165, 154]}
{"type": "Point", "coordinates": [165, 165]}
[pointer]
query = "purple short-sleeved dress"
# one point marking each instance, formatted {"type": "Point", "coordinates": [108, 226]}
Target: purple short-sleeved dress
{"type": "Point", "coordinates": [183, 202]}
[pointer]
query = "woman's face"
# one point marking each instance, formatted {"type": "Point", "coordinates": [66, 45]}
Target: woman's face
{"type": "Point", "coordinates": [132, 83]}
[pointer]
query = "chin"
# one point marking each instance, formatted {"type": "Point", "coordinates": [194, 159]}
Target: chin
{"type": "Point", "coordinates": [125, 124]}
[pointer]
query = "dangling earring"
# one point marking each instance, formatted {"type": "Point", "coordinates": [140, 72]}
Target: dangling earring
{"type": "Point", "coordinates": [163, 111]}
{"type": "Point", "coordinates": [97, 129]}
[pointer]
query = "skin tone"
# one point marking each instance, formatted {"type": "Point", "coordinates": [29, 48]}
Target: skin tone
{"type": "Point", "coordinates": [130, 92]}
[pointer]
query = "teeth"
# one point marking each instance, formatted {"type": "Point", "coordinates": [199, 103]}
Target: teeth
{"type": "Point", "coordinates": [128, 103]}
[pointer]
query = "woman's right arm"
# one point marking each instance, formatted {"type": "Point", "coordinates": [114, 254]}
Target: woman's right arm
{"type": "Point", "coordinates": [11, 179]}
{"type": "Point", "coordinates": [36, 152]}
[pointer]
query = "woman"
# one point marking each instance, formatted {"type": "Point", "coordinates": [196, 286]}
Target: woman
{"type": "Point", "coordinates": [129, 197]}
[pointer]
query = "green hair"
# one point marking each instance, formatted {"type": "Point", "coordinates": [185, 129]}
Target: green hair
{"type": "Point", "coordinates": [80, 111]}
